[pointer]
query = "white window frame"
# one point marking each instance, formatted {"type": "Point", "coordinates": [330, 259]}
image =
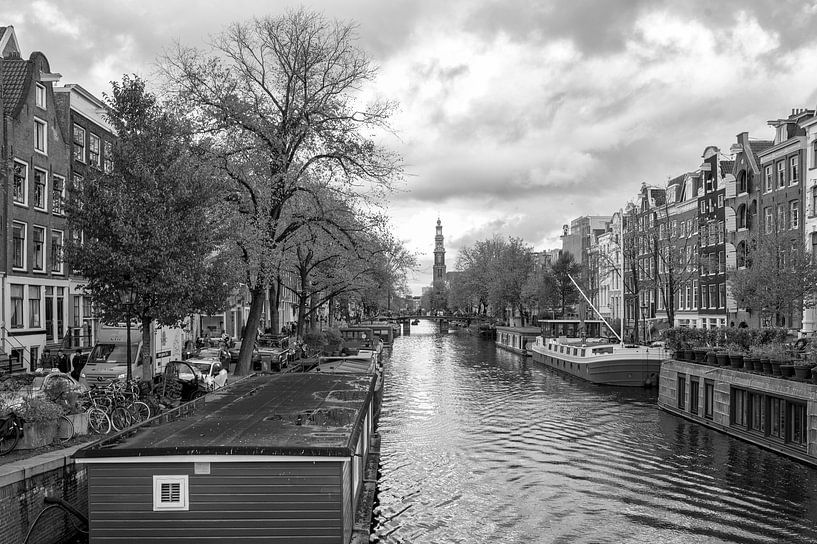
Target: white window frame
{"type": "Point", "coordinates": [25, 184]}
{"type": "Point", "coordinates": [40, 95]}
{"type": "Point", "coordinates": [107, 160]}
{"type": "Point", "coordinates": [184, 493]}
{"type": "Point", "coordinates": [37, 124]}
{"type": "Point", "coordinates": [768, 179]}
{"type": "Point", "coordinates": [61, 234]}
{"type": "Point", "coordinates": [25, 245]}
{"type": "Point", "coordinates": [35, 204]}
{"type": "Point", "coordinates": [34, 228]}
{"type": "Point", "coordinates": [794, 214]}
{"type": "Point", "coordinates": [61, 210]}
{"type": "Point", "coordinates": [781, 174]}
{"type": "Point", "coordinates": [794, 170]}
{"type": "Point", "coordinates": [98, 162]}
{"type": "Point", "coordinates": [82, 158]}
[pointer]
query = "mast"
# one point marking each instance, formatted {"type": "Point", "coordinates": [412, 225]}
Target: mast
{"type": "Point", "coordinates": [621, 274]}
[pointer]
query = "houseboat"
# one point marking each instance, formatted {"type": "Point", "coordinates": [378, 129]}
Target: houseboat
{"type": "Point", "coordinates": [772, 412]}
{"type": "Point", "coordinates": [271, 458]}
{"type": "Point", "coordinates": [516, 339]}
{"type": "Point", "coordinates": [593, 358]}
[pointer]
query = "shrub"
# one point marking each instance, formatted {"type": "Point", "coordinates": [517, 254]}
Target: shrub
{"type": "Point", "coordinates": [315, 340]}
{"type": "Point", "coordinates": [39, 410]}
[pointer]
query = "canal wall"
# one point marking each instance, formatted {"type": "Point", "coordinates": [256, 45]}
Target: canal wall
{"type": "Point", "coordinates": [24, 485]}
{"type": "Point", "coordinates": [771, 412]}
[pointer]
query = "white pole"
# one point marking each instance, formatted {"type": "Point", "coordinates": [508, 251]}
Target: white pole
{"type": "Point", "coordinates": [621, 275]}
{"type": "Point", "coordinates": [594, 308]}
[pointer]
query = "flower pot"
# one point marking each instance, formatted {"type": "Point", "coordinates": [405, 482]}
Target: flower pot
{"type": "Point", "coordinates": [723, 359]}
{"type": "Point", "coordinates": [802, 371]}
{"type": "Point", "coordinates": [736, 360]}
{"type": "Point", "coordinates": [767, 366]}
{"type": "Point", "coordinates": [776, 368]}
{"type": "Point", "coordinates": [758, 363]}
{"type": "Point", "coordinates": [700, 355]}
{"type": "Point", "coordinates": [814, 375]}
{"type": "Point", "coordinates": [787, 371]}
{"type": "Point", "coordinates": [749, 362]}
{"type": "Point", "coordinates": [711, 358]}
{"type": "Point", "coordinates": [38, 434]}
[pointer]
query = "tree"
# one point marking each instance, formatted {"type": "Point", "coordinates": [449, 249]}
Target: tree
{"type": "Point", "coordinates": [563, 269]}
{"type": "Point", "coordinates": [540, 292]}
{"type": "Point", "coordinates": [779, 277]}
{"type": "Point", "coordinates": [149, 226]}
{"type": "Point", "coordinates": [277, 98]}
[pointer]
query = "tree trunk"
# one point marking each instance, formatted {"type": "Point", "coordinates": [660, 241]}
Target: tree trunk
{"type": "Point", "coordinates": [250, 331]}
{"type": "Point", "coordinates": [274, 302]}
{"type": "Point", "coordinates": [147, 349]}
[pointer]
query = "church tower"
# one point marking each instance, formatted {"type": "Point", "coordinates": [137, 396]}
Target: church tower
{"type": "Point", "coordinates": [439, 256]}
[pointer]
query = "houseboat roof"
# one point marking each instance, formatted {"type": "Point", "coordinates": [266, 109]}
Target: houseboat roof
{"type": "Point", "coordinates": [520, 330]}
{"type": "Point", "coordinates": [309, 414]}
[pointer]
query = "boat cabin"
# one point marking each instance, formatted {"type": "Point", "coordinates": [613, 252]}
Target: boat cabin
{"type": "Point", "coordinates": [574, 328]}
{"type": "Point", "coordinates": [270, 459]}
{"type": "Point", "coordinates": [516, 339]}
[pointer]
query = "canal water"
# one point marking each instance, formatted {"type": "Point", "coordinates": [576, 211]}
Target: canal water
{"type": "Point", "coordinates": [483, 446]}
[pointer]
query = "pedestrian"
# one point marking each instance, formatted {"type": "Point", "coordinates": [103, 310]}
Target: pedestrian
{"type": "Point", "coordinates": [45, 360]}
{"type": "Point", "coordinates": [62, 362]}
{"type": "Point", "coordinates": [77, 363]}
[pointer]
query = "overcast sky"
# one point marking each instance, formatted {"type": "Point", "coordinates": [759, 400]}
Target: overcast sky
{"type": "Point", "coordinates": [515, 116]}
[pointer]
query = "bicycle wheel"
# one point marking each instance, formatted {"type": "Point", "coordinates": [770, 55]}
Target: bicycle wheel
{"type": "Point", "coordinates": [120, 418]}
{"type": "Point", "coordinates": [98, 421]}
{"type": "Point", "coordinates": [65, 429]}
{"type": "Point", "coordinates": [140, 410]}
{"type": "Point", "coordinates": [9, 436]}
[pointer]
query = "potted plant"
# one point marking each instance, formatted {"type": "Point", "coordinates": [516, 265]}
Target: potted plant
{"type": "Point", "coordinates": [802, 368]}
{"type": "Point", "coordinates": [712, 358]}
{"type": "Point", "coordinates": [40, 428]}
{"type": "Point", "coordinates": [752, 358]}
{"type": "Point", "coordinates": [735, 356]}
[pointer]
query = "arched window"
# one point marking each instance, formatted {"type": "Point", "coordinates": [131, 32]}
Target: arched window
{"type": "Point", "coordinates": [742, 185]}
{"type": "Point", "coordinates": [742, 216]}
{"type": "Point", "coordinates": [741, 254]}
{"type": "Point", "coordinates": [750, 182]}
{"type": "Point", "coordinates": [751, 217]}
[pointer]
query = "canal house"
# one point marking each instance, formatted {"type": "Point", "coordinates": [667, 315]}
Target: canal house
{"type": "Point", "coordinates": [771, 412]}
{"type": "Point", "coordinates": [516, 339]}
{"type": "Point", "coordinates": [270, 459]}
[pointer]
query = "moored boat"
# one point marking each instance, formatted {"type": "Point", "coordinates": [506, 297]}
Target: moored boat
{"type": "Point", "coordinates": [601, 362]}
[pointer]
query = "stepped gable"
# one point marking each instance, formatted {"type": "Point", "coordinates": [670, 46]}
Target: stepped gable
{"type": "Point", "coordinates": [16, 79]}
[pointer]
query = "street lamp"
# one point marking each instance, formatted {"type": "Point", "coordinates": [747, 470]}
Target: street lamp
{"type": "Point", "coordinates": [127, 297]}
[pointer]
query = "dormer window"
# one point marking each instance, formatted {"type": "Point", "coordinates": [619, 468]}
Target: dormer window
{"type": "Point", "coordinates": [39, 95]}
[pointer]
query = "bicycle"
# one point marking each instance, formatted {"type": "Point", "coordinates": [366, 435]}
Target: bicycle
{"type": "Point", "coordinates": [65, 429]}
{"type": "Point", "coordinates": [11, 430]}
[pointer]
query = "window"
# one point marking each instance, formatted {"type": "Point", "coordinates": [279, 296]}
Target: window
{"type": "Point", "coordinates": [79, 143]}
{"type": "Point", "coordinates": [16, 294]}
{"type": "Point", "coordinates": [742, 182]}
{"type": "Point", "coordinates": [814, 154]}
{"type": "Point", "coordinates": [767, 179]}
{"type": "Point", "coordinates": [703, 206]}
{"type": "Point", "coordinates": [709, 399]}
{"type": "Point", "coordinates": [796, 423]}
{"type": "Point", "coordinates": [781, 217]}
{"type": "Point", "coordinates": [794, 214]}
{"type": "Point", "coordinates": [721, 262]}
{"type": "Point", "coordinates": [755, 412]}
{"type": "Point", "coordinates": [781, 174]}
{"type": "Point", "coordinates": [794, 170]}
{"type": "Point", "coordinates": [682, 390]}
{"type": "Point", "coordinates": [720, 200]}
{"type": "Point", "coordinates": [170, 492]}
{"type": "Point", "coordinates": [738, 407]}
{"type": "Point", "coordinates": [56, 251]}
{"type": "Point", "coordinates": [40, 136]}
{"type": "Point", "coordinates": [94, 151]}
{"type": "Point", "coordinates": [777, 421]}
{"type": "Point", "coordinates": [713, 295]}
{"type": "Point", "coordinates": [767, 219]}
{"type": "Point", "coordinates": [108, 158]}
{"type": "Point", "coordinates": [722, 291]}
{"type": "Point", "coordinates": [813, 201]}
{"type": "Point", "coordinates": [39, 249]}
{"type": "Point", "coordinates": [39, 95]}
{"type": "Point", "coordinates": [741, 216]}
{"type": "Point", "coordinates": [20, 183]}
{"type": "Point", "coordinates": [19, 242]}
{"type": "Point", "coordinates": [34, 306]}
{"type": "Point", "coordinates": [77, 190]}
{"type": "Point", "coordinates": [57, 194]}
{"type": "Point", "coordinates": [40, 188]}
{"type": "Point", "coordinates": [693, 395]}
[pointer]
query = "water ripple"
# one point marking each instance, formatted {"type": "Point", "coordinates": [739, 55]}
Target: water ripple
{"type": "Point", "coordinates": [479, 445]}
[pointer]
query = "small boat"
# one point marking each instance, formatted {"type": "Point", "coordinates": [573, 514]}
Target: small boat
{"type": "Point", "coordinates": [415, 322]}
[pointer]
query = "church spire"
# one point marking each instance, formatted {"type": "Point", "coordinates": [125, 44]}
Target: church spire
{"type": "Point", "coordinates": [439, 255]}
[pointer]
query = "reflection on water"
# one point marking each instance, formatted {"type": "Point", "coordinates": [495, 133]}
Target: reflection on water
{"type": "Point", "coordinates": [480, 445]}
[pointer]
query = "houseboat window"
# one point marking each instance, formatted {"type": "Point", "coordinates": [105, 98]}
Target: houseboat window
{"type": "Point", "coordinates": [738, 407]}
{"type": "Point", "coordinates": [777, 423]}
{"type": "Point", "coordinates": [755, 412]}
{"type": "Point", "coordinates": [694, 391]}
{"type": "Point", "coordinates": [709, 398]}
{"type": "Point", "coordinates": [682, 390]}
{"type": "Point", "coordinates": [796, 423]}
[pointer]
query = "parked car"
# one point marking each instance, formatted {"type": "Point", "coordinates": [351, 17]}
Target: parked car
{"type": "Point", "coordinates": [182, 382]}
{"type": "Point", "coordinates": [236, 349]}
{"type": "Point", "coordinates": [209, 370]}
{"type": "Point", "coordinates": [273, 349]}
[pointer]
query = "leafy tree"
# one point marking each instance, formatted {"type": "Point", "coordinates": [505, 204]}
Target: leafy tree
{"type": "Point", "coordinates": [540, 293]}
{"type": "Point", "coordinates": [277, 98]}
{"type": "Point", "coordinates": [779, 278]}
{"type": "Point", "coordinates": [151, 225]}
{"type": "Point", "coordinates": [565, 267]}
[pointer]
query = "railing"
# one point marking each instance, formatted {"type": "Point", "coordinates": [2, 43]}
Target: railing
{"type": "Point", "coordinates": [10, 343]}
